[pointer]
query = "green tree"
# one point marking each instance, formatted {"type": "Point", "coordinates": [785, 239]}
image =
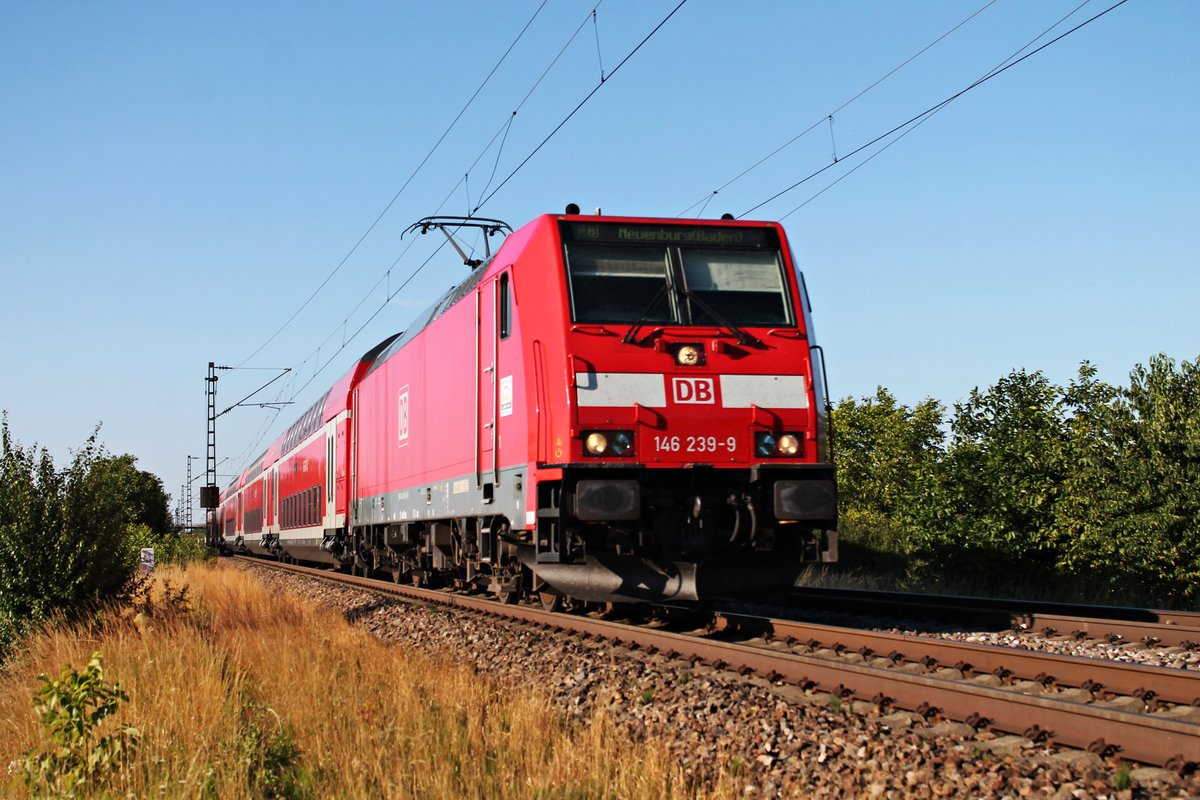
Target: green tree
{"type": "Point", "coordinates": [885, 450]}
{"type": "Point", "coordinates": [149, 504]}
{"type": "Point", "coordinates": [990, 504]}
{"type": "Point", "coordinates": [1131, 508]}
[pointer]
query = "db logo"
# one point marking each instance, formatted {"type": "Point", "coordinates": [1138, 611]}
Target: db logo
{"type": "Point", "coordinates": [693, 390]}
{"type": "Point", "coordinates": [403, 421]}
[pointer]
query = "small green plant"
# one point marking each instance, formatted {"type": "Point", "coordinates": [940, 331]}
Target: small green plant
{"type": "Point", "coordinates": [684, 678]}
{"type": "Point", "coordinates": [835, 704]}
{"type": "Point", "coordinates": [647, 696]}
{"type": "Point", "coordinates": [737, 767]}
{"type": "Point", "coordinates": [71, 710]}
{"type": "Point", "coordinates": [1122, 779]}
{"type": "Point", "coordinates": [272, 756]}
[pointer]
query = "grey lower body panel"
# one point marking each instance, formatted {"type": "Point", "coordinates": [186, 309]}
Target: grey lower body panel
{"type": "Point", "coordinates": [306, 549]}
{"type": "Point", "coordinates": [456, 497]}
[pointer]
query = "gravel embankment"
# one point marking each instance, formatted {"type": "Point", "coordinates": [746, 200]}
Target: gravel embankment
{"type": "Point", "coordinates": [781, 741]}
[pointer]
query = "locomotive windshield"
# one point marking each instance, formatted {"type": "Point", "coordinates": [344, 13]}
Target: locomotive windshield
{"type": "Point", "coordinates": [675, 275]}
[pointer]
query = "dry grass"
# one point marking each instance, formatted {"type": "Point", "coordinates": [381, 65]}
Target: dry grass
{"type": "Point", "coordinates": [249, 693]}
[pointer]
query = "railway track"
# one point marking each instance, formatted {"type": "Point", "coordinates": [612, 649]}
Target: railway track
{"type": "Point", "coordinates": [1144, 714]}
{"type": "Point", "coordinates": [1108, 623]}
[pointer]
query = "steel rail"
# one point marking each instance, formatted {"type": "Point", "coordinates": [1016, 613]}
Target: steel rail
{"type": "Point", "coordinates": [1114, 623]}
{"type": "Point", "coordinates": [1139, 737]}
{"type": "Point", "coordinates": [1145, 682]}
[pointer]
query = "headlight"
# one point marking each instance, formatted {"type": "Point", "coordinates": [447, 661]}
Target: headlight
{"type": "Point", "coordinates": [608, 443]}
{"type": "Point", "coordinates": [687, 355]}
{"type": "Point", "coordinates": [784, 445]}
{"type": "Point", "coordinates": [596, 443]}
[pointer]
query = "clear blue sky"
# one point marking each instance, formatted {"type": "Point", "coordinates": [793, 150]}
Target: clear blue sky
{"type": "Point", "coordinates": [177, 178]}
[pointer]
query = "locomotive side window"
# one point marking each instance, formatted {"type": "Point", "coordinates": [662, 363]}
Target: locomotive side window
{"type": "Point", "coordinates": [745, 288]}
{"type": "Point", "coordinates": [505, 307]}
{"type": "Point", "coordinates": [618, 284]}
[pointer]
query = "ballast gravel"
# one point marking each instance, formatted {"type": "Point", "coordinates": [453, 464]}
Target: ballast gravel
{"type": "Point", "coordinates": [778, 740]}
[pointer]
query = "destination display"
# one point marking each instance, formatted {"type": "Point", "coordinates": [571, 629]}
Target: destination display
{"type": "Point", "coordinates": [702, 235]}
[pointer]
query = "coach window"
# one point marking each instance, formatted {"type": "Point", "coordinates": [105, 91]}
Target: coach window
{"type": "Point", "coordinates": [505, 307]}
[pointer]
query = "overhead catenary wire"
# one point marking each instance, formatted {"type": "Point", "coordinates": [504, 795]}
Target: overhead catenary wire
{"type": "Point", "coordinates": [708, 198]}
{"type": "Point", "coordinates": [935, 107]}
{"type": "Point", "coordinates": [374, 314]}
{"type": "Point", "coordinates": [599, 52]}
{"type": "Point", "coordinates": [400, 191]}
{"type": "Point", "coordinates": [929, 116]}
{"type": "Point", "coordinates": [581, 104]}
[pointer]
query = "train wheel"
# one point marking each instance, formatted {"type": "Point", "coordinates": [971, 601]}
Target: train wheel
{"type": "Point", "coordinates": [514, 596]}
{"type": "Point", "coordinates": [551, 601]}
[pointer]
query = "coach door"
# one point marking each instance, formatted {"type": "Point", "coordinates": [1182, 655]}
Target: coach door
{"type": "Point", "coordinates": [330, 472]}
{"type": "Point", "coordinates": [486, 343]}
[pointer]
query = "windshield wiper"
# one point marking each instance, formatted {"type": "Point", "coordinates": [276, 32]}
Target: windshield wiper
{"type": "Point", "coordinates": [630, 336]}
{"type": "Point", "coordinates": [740, 335]}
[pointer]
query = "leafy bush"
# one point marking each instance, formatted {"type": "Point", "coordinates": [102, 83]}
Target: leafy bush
{"type": "Point", "coordinates": [71, 710]}
{"type": "Point", "coordinates": [64, 541]}
{"type": "Point", "coordinates": [169, 548]}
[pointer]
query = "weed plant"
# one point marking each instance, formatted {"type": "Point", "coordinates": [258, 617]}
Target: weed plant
{"type": "Point", "coordinates": [74, 757]}
{"type": "Point", "coordinates": [241, 692]}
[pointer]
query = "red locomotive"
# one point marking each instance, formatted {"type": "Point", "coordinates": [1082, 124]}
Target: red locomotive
{"type": "Point", "coordinates": [607, 409]}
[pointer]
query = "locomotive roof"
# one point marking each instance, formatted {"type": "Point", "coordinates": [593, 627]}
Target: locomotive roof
{"type": "Point", "coordinates": [426, 317]}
